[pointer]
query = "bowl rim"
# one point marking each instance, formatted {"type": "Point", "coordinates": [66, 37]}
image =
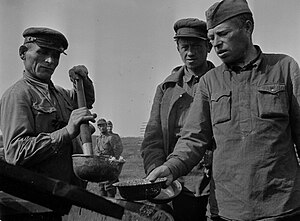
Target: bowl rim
{"type": "Point", "coordinates": [102, 157]}
{"type": "Point", "coordinates": [89, 156]}
{"type": "Point", "coordinates": [176, 185]}
{"type": "Point", "coordinates": [157, 181]}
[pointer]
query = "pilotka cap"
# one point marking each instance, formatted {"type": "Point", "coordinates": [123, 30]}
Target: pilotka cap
{"type": "Point", "coordinates": [190, 27]}
{"type": "Point", "coordinates": [224, 10]}
{"type": "Point", "coordinates": [46, 37]}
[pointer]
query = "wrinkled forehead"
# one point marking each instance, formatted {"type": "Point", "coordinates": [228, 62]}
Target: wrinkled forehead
{"type": "Point", "coordinates": [223, 27]}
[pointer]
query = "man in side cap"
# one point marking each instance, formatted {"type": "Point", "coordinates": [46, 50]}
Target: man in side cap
{"type": "Point", "coordinates": [110, 131]}
{"type": "Point", "coordinates": [108, 145]}
{"type": "Point", "coordinates": [40, 121]}
{"type": "Point", "coordinates": [170, 107]}
{"type": "Point", "coordinates": [110, 128]}
{"type": "Point", "coordinates": [250, 105]}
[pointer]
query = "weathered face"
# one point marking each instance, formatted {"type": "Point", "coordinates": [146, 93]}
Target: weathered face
{"type": "Point", "coordinates": [40, 62]}
{"type": "Point", "coordinates": [193, 52]}
{"type": "Point", "coordinates": [230, 41]}
{"type": "Point", "coordinates": [102, 127]}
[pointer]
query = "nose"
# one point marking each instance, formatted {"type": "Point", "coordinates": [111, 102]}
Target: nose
{"type": "Point", "coordinates": [49, 59]}
{"type": "Point", "coordinates": [191, 50]}
{"type": "Point", "coordinates": [215, 41]}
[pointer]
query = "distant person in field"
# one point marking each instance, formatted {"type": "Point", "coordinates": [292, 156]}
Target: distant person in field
{"type": "Point", "coordinates": [107, 145]}
{"type": "Point", "coordinates": [110, 129]}
{"type": "Point", "coordinates": [170, 107]}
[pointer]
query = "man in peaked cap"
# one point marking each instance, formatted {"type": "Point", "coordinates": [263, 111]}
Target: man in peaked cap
{"type": "Point", "coordinates": [250, 106]}
{"type": "Point", "coordinates": [171, 104]}
{"type": "Point", "coordinates": [39, 121]}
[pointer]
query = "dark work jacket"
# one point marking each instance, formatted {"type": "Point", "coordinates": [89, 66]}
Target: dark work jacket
{"type": "Point", "coordinates": [159, 139]}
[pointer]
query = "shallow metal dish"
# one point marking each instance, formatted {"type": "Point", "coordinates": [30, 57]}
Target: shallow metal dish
{"type": "Point", "coordinates": [140, 189]}
{"type": "Point", "coordinates": [96, 168]}
{"type": "Point", "coordinates": [168, 194]}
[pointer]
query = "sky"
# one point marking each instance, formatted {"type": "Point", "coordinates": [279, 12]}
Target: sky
{"type": "Point", "coordinates": [128, 46]}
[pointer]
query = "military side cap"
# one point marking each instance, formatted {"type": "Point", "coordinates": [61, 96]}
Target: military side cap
{"type": "Point", "coordinates": [101, 121]}
{"type": "Point", "coordinates": [46, 37]}
{"type": "Point", "coordinates": [109, 123]}
{"type": "Point", "coordinates": [190, 27]}
{"type": "Point", "coordinates": [224, 10]}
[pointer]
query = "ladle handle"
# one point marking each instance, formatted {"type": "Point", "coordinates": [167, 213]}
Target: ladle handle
{"type": "Point", "coordinates": [85, 132]}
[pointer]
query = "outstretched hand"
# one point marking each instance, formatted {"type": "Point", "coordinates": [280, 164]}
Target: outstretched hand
{"type": "Point", "coordinates": [77, 117]}
{"type": "Point", "coordinates": [161, 171]}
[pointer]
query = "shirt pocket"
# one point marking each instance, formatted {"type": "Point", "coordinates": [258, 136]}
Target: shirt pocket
{"type": "Point", "coordinates": [221, 107]}
{"type": "Point", "coordinates": [272, 101]}
{"type": "Point", "coordinates": [44, 117]}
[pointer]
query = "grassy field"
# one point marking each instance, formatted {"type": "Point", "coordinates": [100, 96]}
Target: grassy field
{"type": "Point", "coordinates": [133, 168]}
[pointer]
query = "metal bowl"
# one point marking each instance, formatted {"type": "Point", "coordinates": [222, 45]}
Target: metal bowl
{"type": "Point", "coordinates": [96, 168]}
{"type": "Point", "coordinates": [140, 189]}
{"type": "Point", "coordinates": [167, 194]}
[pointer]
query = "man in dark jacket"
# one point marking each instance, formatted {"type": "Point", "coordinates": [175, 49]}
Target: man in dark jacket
{"type": "Point", "coordinates": [170, 107]}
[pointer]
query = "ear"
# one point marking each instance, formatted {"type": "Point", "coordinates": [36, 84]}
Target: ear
{"type": "Point", "coordinates": [22, 51]}
{"type": "Point", "coordinates": [249, 26]}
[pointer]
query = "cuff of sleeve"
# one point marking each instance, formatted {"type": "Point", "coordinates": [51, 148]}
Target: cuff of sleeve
{"type": "Point", "coordinates": [59, 138]}
{"type": "Point", "coordinates": [177, 167]}
{"type": "Point", "coordinates": [153, 166]}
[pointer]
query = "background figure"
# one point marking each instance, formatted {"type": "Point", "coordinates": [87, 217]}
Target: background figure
{"type": "Point", "coordinates": [110, 127]}
{"type": "Point", "coordinates": [110, 131]}
{"type": "Point", "coordinates": [117, 136]}
{"type": "Point", "coordinates": [250, 105]}
{"type": "Point", "coordinates": [170, 107]}
{"type": "Point", "coordinates": [107, 145]}
{"type": "Point", "coordinates": [40, 121]}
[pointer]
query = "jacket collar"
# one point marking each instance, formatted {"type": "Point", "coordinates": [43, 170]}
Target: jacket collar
{"type": "Point", "coordinates": [174, 77]}
{"type": "Point", "coordinates": [37, 82]}
{"type": "Point", "coordinates": [178, 73]}
{"type": "Point", "coordinates": [254, 63]}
